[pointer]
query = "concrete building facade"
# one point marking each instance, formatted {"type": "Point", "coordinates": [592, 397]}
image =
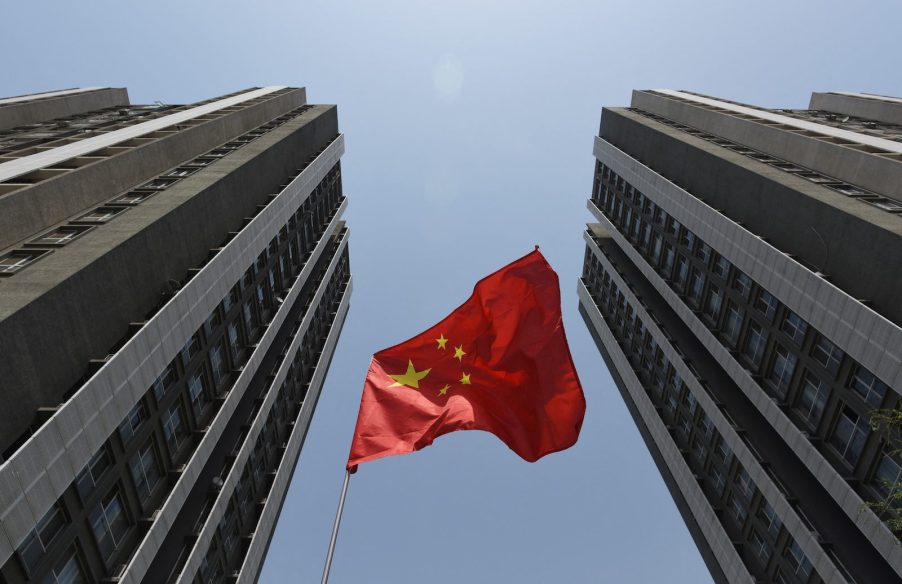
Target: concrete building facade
{"type": "Point", "coordinates": [743, 286]}
{"type": "Point", "coordinates": [173, 281]}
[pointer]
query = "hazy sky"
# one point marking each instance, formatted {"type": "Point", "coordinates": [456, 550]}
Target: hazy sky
{"type": "Point", "coordinates": [469, 129]}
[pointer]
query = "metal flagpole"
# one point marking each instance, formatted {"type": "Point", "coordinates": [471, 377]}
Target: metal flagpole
{"type": "Point", "coordinates": [341, 506]}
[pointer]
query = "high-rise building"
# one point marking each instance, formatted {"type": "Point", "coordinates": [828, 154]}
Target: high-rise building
{"type": "Point", "coordinates": [174, 280]}
{"type": "Point", "coordinates": [744, 286]}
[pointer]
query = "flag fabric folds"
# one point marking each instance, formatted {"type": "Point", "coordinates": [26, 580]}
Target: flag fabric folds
{"type": "Point", "coordinates": [499, 363]}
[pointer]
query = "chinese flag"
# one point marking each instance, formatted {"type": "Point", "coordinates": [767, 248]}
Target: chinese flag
{"type": "Point", "coordinates": [498, 363]}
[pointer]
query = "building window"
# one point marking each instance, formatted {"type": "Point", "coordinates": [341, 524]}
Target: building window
{"type": "Point", "coordinates": [191, 348]}
{"type": "Point", "coordinates": [742, 283]}
{"type": "Point", "coordinates": [795, 327]}
{"type": "Point", "coordinates": [703, 252]}
{"type": "Point", "coordinates": [849, 435]}
{"type": "Point", "coordinates": [813, 399]}
{"type": "Point", "coordinates": [682, 271]}
{"type": "Point", "coordinates": [696, 287]}
{"type": "Point", "coordinates": [755, 343]}
{"type": "Point", "coordinates": [234, 338]}
{"type": "Point", "coordinates": [687, 239]}
{"type": "Point", "coordinates": [667, 264]}
{"type": "Point", "coordinates": [866, 385]}
{"type": "Point", "coordinates": [826, 353]}
{"type": "Point", "coordinates": [109, 523]}
{"type": "Point", "coordinates": [218, 363]}
{"type": "Point", "coordinates": [713, 302]}
{"type": "Point", "coordinates": [87, 479]}
{"type": "Point", "coordinates": [721, 267]}
{"type": "Point", "coordinates": [769, 519]}
{"type": "Point", "coordinates": [760, 547]}
{"type": "Point", "coordinates": [717, 481]}
{"type": "Point", "coordinates": [732, 324]}
{"type": "Point", "coordinates": [66, 571]}
{"type": "Point", "coordinates": [784, 365]}
{"type": "Point", "coordinates": [145, 470]}
{"type": "Point", "coordinates": [198, 391]}
{"type": "Point", "coordinates": [796, 559]}
{"type": "Point", "coordinates": [766, 304]}
{"type": "Point", "coordinates": [163, 382]}
{"type": "Point", "coordinates": [174, 428]}
{"type": "Point", "coordinates": [737, 509]}
{"type": "Point", "coordinates": [888, 475]}
{"type": "Point", "coordinates": [745, 485]}
{"type": "Point", "coordinates": [132, 422]}
{"type": "Point", "coordinates": [39, 539]}
{"type": "Point", "coordinates": [656, 248]}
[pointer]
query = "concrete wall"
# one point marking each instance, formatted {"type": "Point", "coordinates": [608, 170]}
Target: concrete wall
{"type": "Point", "coordinates": [861, 107]}
{"type": "Point", "coordinates": [49, 108]}
{"type": "Point", "coordinates": [28, 211]}
{"type": "Point", "coordinates": [877, 173]}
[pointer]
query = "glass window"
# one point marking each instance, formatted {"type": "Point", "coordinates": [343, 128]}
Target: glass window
{"type": "Point", "coordinates": [682, 271]}
{"type": "Point", "coordinates": [760, 547]}
{"type": "Point", "coordinates": [766, 304]}
{"type": "Point", "coordinates": [687, 239]}
{"type": "Point", "coordinates": [782, 368]}
{"type": "Point", "coordinates": [696, 286]}
{"type": "Point", "coordinates": [717, 481]}
{"type": "Point", "coordinates": [813, 399]}
{"type": "Point", "coordinates": [713, 302]}
{"type": "Point", "coordinates": [755, 343]}
{"type": "Point", "coordinates": [67, 571]}
{"type": "Point", "coordinates": [745, 485]}
{"type": "Point", "coordinates": [132, 422]}
{"type": "Point", "coordinates": [826, 353]}
{"type": "Point", "coordinates": [109, 523]}
{"type": "Point", "coordinates": [673, 226]}
{"type": "Point", "coordinates": [703, 252]}
{"type": "Point", "coordinates": [656, 248]}
{"type": "Point", "coordinates": [742, 283]}
{"type": "Point", "coordinates": [218, 363]}
{"type": "Point", "coordinates": [769, 519]}
{"type": "Point", "coordinates": [865, 384]}
{"type": "Point", "coordinates": [738, 509]}
{"type": "Point", "coordinates": [163, 382]}
{"type": "Point", "coordinates": [39, 539]}
{"type": "Point", "coordinates": [888, 475]}
{"type": "Point", "coordinates": [174, 428]}
{"type": "Point", "coordinates": [145, 470]}
{"type": "Point", "coordinates": [721, 266]}
{"type": "Point", "coordinates": [197, 389]}
{"type": "Point", "coordinates": [87, 479]}
{"type": "Point", "coordinates": [667, 264]}
{"type": "Point", "coordinates": [732, 324]}
{"type": "Point", "coordinates": [795, 327]}
{"type": "Point", "coordinates": [191, 348]}
{"type": "Point", "coordinates": [796, 559]}
{"type": "Point", "coordinates": [849, 435]}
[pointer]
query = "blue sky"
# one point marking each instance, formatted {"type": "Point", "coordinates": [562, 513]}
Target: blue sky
{"type": "Point", "coordinates": [469, 129]}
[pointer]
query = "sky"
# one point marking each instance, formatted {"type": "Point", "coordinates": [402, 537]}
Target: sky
{"type": "Point", "coordinates": [469, 128]}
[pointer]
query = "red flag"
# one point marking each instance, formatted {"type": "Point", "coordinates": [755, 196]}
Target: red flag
{"type": "Point", "coordinates": [498, 363]}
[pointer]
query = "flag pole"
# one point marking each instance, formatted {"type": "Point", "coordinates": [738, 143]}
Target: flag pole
{"type": "Point", "coordinates": [341, 506]}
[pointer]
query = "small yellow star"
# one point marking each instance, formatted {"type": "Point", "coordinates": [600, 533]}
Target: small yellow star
{"type": "Point", "coordinates": [444, 390]}
{"type": "Point", "coordinates": [459, 353]}
{"type": "Point", "coordinates": [410, 378]}
{"type": "Point", "coordinates": [465, 379]}
{"type": "Point", "coordinates": [441, 340]}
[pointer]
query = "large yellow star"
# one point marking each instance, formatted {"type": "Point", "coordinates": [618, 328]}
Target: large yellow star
{"type": "Point", "coordinates": [459, 353]}
{"type": "Point", "coordinates": [441, 340]}
{"type": "Point", "coordinates": [444, 390]}
{"type": "Point", "coordinates": [410, 378]}
{"type": "Point", "coordinates": [465, 379]}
